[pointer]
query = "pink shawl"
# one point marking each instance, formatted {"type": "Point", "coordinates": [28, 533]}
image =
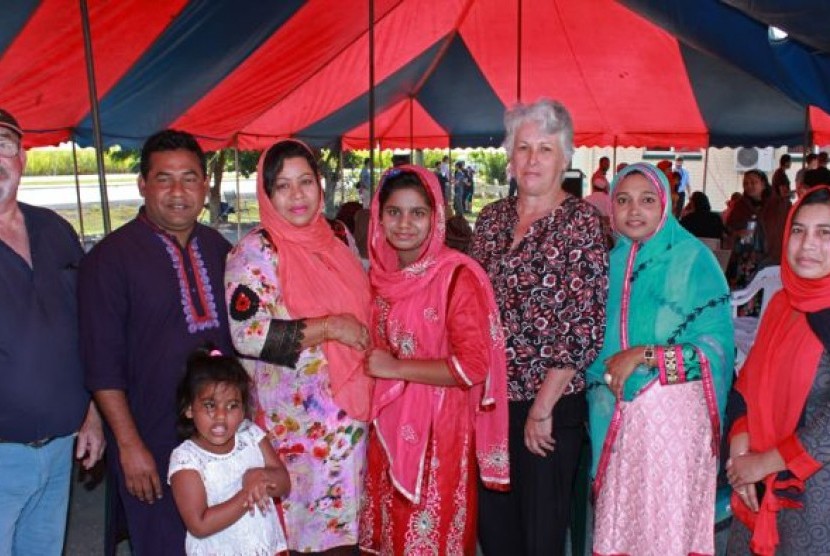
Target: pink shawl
{"type": "Point", "coordinates": [403, 411]}
{"type": "Point", "coordinates": [321, 276]}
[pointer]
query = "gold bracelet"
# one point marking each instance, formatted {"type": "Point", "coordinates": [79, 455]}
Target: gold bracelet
{"type": "Point", "coordinates": [539, 420]}
{"type": "Point", "coordinates": [326, 328]}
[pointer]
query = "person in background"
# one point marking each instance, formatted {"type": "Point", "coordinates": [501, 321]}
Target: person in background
{"type": "Point", "coordinates": [755, 226]}
{"type": "Point", "coordinates": [810, 163]}
{"type": "Point", "coordinates": [364, 185]}
{"type": "Point", "coordinates": [546, 255]}
{"type": "Point", "coordinates": [444, 182]}
{"type": "Point", "coordinates": [299, 307]}
{"type": "Point", "coordinates": [440, 401]}
{"type": "Point", "coordinates": [459, 179]}
{"type": "Point", "coordinates": [149, 294]}
{"type": "Point", "coordinates": [599, 178]}
{"type": "Point", "coordinates": [780, 179]}
{"type": "Point", "coordinates": [779, 447]}
{"type": "Point", "coordinates": [657, 391]}
{"type": "Point", "coordinates": [44, 402]}
{"type": "Point", "coordinates": [700, 221]}
{"type": "Point", "coordinates": [683, 186]}
{"type": "Point", "coordinates": [730, 205]}
{"type": "Point", "coordinates": [819, 175]}
{"type": "Point", "coordinates": [469, 188]}
{"type": "Point", "coordinates": [599, 194]}
{"type": "Point", "coordinates": [459, 233]}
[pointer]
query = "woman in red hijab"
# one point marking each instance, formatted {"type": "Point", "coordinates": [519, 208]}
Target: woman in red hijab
{"type": "Point", "coordinates": [780, 445]}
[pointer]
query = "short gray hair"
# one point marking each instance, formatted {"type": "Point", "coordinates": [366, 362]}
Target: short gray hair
{"type": "Point", "coordinates": [551, 116]}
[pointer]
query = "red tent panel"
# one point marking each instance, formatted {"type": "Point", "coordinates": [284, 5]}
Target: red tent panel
{"type": "Point", "coordinates": [611, 106]}
{"type": "Point", "coordinates": [53, 38]}
{"type": "Point", "coordinates": [820, 122]}
{"type": "Point", "coordinates": [393, 126]}
{"type": "Point", "coordinates": [397, 41]}
{"type": "Point", "coordinates": [307, 44]}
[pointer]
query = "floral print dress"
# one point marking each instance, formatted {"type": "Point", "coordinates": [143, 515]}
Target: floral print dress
{"type": "Point", "coordinates": [322, 447]}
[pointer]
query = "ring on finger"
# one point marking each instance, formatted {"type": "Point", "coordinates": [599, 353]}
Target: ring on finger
{"type": "Point", "coordinates": [608, 378]}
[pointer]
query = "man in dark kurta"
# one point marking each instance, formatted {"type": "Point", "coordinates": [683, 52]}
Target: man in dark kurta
{"type": "Point", "coordinates": [150, 293]}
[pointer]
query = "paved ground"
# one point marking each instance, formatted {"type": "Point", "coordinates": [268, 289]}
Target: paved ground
{"type": "Point", "coordinates": [85, 535]}
{"type": "Point", "coordinates": [85, 531]}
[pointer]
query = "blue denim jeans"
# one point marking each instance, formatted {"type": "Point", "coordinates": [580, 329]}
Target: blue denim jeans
{"type": "Point", "coordinates": [34, 497]}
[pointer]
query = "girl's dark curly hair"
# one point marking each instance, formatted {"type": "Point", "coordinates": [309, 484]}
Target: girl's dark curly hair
{"type": "Point", "coordinates": [203, 369]}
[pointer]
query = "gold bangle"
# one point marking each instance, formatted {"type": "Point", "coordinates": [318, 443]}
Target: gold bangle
{"type": "Point", "coordinates": [326, 328]}
{"type": "Point", "coordinates": [540, 419]}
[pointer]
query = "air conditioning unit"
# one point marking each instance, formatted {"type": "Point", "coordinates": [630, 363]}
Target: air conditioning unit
{"type": "Point", "coordinates": [754, 158]}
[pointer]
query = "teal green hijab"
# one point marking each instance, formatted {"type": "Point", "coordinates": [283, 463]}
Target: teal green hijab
{"type": "Point", "coordinates": [678, 295]}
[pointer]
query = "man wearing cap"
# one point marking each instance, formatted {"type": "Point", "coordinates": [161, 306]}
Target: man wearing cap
{"type": "Point", "coordinates": [43, 403]}
{"type": "Point", "coordinates": [150, 293]}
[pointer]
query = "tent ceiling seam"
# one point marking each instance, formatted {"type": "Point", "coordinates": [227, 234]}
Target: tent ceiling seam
{"type": "Point", "coordinates": [322, 67]}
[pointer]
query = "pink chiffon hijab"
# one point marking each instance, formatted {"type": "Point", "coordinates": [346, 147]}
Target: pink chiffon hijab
{"type": "Point", "coordinates": [320, 276]}
{"type": "Point", "coordinates": [396, 402]}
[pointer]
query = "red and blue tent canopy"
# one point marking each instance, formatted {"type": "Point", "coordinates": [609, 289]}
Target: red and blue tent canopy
{"type": "Point", "coordinates": [247, 72]}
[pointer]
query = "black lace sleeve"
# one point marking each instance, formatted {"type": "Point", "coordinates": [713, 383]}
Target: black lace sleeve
{"type": "Point", "coordinates": [282, 343]}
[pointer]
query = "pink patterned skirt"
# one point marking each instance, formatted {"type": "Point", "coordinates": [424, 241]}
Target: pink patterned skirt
{"type": "Point", "coordinates": [658, 495]}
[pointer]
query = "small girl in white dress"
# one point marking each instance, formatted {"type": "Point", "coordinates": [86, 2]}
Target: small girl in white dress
{"type": "Point", "coordinates": [225, 475]}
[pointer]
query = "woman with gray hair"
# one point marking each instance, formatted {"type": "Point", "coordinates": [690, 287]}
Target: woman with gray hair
{"type": "Point", "coordinates": [546, 256]}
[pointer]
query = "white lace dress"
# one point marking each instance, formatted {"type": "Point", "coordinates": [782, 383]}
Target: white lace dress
{"type": "Point", "coordinates": [252, 535]}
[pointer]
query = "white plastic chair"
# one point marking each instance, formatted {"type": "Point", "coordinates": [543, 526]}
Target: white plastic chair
{"type": "Point", "coordinates": [767, 280]}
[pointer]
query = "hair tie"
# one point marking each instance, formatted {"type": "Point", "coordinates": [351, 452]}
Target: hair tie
{"type": "Point", "coordinates": [215, 353]}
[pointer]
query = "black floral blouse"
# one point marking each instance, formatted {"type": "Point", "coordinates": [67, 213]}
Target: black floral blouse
{"type": "Point", "coordinates": [551, 289]}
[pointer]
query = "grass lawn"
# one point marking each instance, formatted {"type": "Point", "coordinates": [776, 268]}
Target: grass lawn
{"type": "Point", "coordinates": [121, 213]}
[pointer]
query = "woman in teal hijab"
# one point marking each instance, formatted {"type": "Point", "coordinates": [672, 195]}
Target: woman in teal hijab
{"type": "Point", "coordinates": [657, 391]}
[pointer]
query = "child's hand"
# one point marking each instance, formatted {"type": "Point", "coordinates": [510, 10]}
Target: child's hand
{"type": "Point", "coordinates": [255, 485]}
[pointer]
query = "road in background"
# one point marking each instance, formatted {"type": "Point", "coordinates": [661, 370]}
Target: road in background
{"type": "Point", "coordinates": [59, 193]}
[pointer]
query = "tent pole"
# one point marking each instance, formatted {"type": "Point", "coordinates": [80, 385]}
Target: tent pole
{"type": "Point", "coordinates": [705, 167]}
{"type": "Point", "coordinates": [371, 98]}
{"type": "Point", "coordinates": [238, 207]}
{"type": "Point", "coordinates": [808, 137]}
{"type": "Point", "coordinates": [78, 192]}
{"type": "Point", "coordinates": [519, 52]}
{"type": "Point", "coordinates": [96, 117]}
{"type": "Point", "coordinates": [341, 177]}
{"type": "Point", "coordinates": [411, 131]}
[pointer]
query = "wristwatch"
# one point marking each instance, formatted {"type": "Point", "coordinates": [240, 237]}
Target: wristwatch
{"type": "Point", "coordinates": [648, 355]}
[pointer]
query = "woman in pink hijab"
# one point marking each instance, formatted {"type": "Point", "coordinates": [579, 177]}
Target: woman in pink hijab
{"type": "Point", "coordinates": [299, 305]}
{"type": "Point", "coordinates": [440, 401]}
